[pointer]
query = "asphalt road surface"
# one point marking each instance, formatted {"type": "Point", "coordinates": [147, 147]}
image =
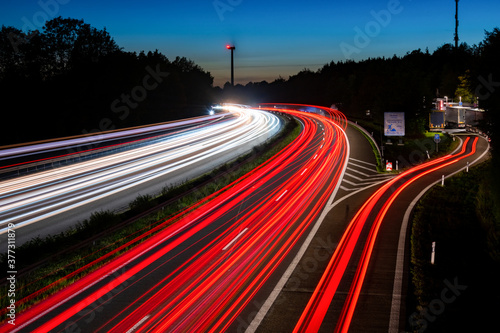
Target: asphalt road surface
{"type": "Point", "coordinates": [204, 270]}
{"type": "Point", "coordinates": [363, 289]}
{"type": "Point", "coordinates": [270, 253]}
{"type": "Point", "coordinates": [50, 201]}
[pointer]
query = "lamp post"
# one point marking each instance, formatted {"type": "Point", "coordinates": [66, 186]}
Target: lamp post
{"type": "Point", "coordinates": [229, 47]}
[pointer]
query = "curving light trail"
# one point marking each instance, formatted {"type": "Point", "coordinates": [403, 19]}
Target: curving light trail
{"type": "Point", "coordinates": [49, 146]}
{"type": "Point", "coordinates": [316, 309]}
{"type": "Point", "coordinates": [350, 304]}
{"type": "Point", "coordinates": [35, 197]}
{"type": "Point", "coordinates": [231, 243]}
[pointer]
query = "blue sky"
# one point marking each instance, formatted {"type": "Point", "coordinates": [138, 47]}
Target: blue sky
{"type": "Point", "coordinates": [272, 38]}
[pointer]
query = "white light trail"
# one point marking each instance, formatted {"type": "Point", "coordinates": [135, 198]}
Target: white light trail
{"type": "Point", "coordinates": [33, 198]}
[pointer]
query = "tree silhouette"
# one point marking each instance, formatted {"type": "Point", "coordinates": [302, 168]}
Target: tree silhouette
{"type": "Point", "coordinates": [463, 90]}
{"type": "Point", "coordinates": [71, 78]}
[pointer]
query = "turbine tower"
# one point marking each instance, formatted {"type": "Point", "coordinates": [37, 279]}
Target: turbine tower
{"type": "Point", "coordinates": [456, 24]}
{"type": "Point", "coordinates": [229, 47]}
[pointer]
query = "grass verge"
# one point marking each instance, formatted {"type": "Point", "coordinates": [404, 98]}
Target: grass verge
{"type": "Point", "coordinates": [459, 292]}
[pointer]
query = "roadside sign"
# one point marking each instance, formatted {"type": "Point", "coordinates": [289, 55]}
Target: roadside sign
{"type": "Point", "coordinates": [437, 140]}
{"type": "Point", "coordinates": [388, 166]}
{"type": "Point", "coordinates": [394, 123]}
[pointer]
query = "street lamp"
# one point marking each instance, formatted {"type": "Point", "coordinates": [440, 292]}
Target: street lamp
{"type": "Point", "coordinates": [229, 47]}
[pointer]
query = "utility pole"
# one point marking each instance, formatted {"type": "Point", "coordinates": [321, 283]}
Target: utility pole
{"type": "Point", "coordinates": [456, 24]}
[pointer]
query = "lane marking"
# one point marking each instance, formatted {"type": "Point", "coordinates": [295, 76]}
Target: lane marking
{"type": "Point", "coordinates": [359, 172]}
{"type": "Point", "coordinates": [359, 184]}
{"type": "Point", "coordinates": [375, 174]}
{"type": "Point", "coordinates": [331, 206]}
{"type": "Point", "coordinates": [264, 309]}
{"type": "Point", "coordinates": [347, 189]}
{"type": "Point", "coordinates": [139, 323]}
{"type": "Point", "coordinates": [400, 260]}
{"type": "Point", "coordinates": [357, 189]}
{"type": "Point", "coordinates": [360, 161]}
{"type": "Point", "coordinates": [363, 167]}
{"type": "Point", "coordinates": [353, 176]}
{"type": "Point", "coordinates": [234, 239]}
{"type": "Point", "coordinates": [282, 194]}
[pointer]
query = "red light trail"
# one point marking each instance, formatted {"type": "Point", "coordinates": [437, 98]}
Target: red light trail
{"type": "Point", "coordinates": [350, 305]}
{"type": "Point", "coordinates": [315, 311]}
{"type": "Point", "coordinates": [232, 243]}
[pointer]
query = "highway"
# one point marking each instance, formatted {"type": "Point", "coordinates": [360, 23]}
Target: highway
{"type": "Point", "coordinates": [314, 240]}
{"type": "Point", "coordinates": [314, 314]}
{"type": "Point", "coordinates": [202, 271]}
{"type": "Point", "coordinates": [21, 154]}
{"type": "Point", "coordinates": [361, 287]}
{"type": "Point", "coordinates": [384, 267]}
{"type": "Point", "coordinates": [57, 198]}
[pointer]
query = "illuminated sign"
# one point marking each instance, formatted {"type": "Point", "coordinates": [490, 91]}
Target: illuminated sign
{"type": "Point", "coordinates": [394, 123]}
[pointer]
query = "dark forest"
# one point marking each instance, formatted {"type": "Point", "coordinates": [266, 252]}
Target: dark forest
{"type": "Point", "coordinates": [71, 78]}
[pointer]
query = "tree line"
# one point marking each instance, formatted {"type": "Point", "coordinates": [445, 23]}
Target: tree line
{"type": "Point", "coordinates": [408, 83]}
{"type": "Point", "coordinates": [70, 78]}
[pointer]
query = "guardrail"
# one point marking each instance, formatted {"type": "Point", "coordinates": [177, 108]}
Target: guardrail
{"type": "Point", "coordinates": [355, 124]}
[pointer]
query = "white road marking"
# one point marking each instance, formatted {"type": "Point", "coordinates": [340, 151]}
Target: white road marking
{"type": "Point", "coordinates": [359, 184]}
{"type": "Point", "coordinates": [360, 161]}
{"type": "Point", "coordinates": [347, 189]}
{"type": "Point", "coordinates": [372, 175]}
{"type": "Point", "coordinates": [139, 323]}
{"type": "Point", "coordinates": [234, 239]}
{"type": "Point", "coordinates": [282, 194]}
{"type": "Point", "coordinates": [398, 271]}
{"type": "Point", "coordinates": [284, 278]}
{"type": "Point", "coordinates": [360, 166]}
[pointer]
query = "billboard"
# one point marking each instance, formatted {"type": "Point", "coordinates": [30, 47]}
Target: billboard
{"type": "Point", "coordinates": [394, 123]}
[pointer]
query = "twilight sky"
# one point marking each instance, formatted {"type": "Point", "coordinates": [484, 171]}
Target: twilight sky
{"type": "Point", "coordinates": [272, 37]}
